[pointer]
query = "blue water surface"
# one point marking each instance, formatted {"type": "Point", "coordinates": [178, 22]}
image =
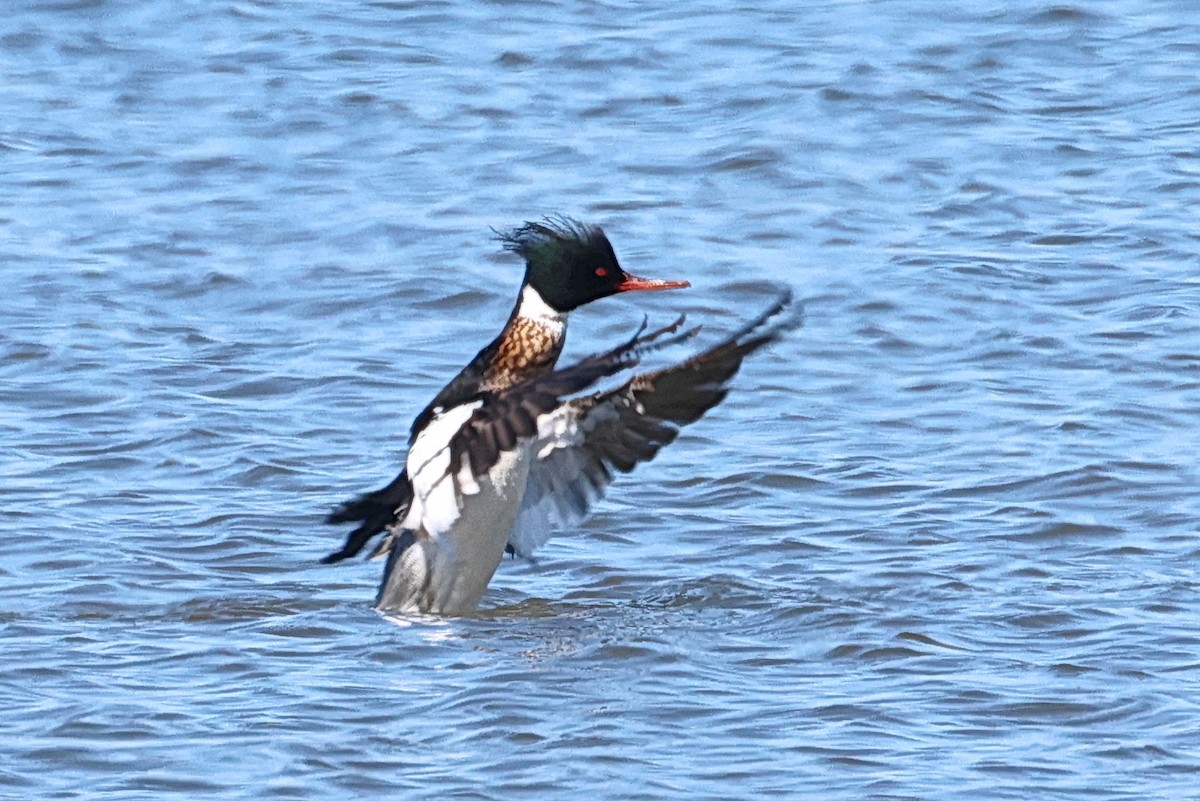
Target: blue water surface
{"type": "Point", "coordinates": [941, 543]}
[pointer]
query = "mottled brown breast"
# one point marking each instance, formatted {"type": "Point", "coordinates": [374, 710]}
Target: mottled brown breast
{"type": "Point", "coordinates": [528, 349]}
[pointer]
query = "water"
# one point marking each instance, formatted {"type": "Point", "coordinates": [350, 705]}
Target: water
{"type": "Point", "coordinates": [940, 544]}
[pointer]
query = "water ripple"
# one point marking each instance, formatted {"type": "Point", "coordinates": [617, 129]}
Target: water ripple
{"type": "Point", "coordinates": [936, 545]}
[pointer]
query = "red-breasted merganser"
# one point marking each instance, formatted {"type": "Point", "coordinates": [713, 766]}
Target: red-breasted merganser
{"type": "Point", "coordinates": [509, 450]}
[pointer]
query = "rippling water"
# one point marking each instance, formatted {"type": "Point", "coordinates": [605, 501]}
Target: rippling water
{"type": "Point", "coordinates": [940, 544]}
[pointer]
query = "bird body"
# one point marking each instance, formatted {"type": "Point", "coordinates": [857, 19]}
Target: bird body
{"type": "Point", "coordinates": [459, 527]}
{"type": "Point", "coordinates": [511, 450]}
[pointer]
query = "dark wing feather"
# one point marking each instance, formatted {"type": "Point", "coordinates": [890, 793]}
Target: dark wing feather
{"type": "Point", "coordinates": [377, 510]}
{"type": "Point", "coordinates": [619, 428]}
{"type": "Point", "coordinates": [514, 414]}
{"type": "Point", "coordinates": [461, 388]}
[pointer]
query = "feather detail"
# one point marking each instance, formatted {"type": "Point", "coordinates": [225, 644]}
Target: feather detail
{"type": "Point", "coordinates": [587, 438]}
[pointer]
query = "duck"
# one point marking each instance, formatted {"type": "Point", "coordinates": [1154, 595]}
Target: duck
{"type": "Point", "coordinates": [514, 447]}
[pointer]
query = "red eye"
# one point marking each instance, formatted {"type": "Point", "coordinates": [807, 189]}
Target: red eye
{"type": "Point", "coordinates": [600, 271]}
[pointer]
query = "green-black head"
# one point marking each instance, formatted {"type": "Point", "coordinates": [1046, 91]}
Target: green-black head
{"type": "Point", "coordinates": [571, 263]}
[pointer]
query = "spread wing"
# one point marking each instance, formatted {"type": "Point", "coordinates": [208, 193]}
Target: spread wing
{"type": "Point", "coordinates": [501, 421]}
{"type": "Point", "coordinates": [514, 417]}
{"type": "Point", "coordinates": [580, 443]}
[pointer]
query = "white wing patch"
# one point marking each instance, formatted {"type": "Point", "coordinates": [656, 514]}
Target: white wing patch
{"type": "Point", "coordinates": [564, 480]}
{"type": "Point", "coordinates": [435, 504]}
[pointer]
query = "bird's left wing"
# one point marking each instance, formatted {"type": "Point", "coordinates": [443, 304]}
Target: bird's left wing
{"type": "Point", "coordinates": [581, 442]}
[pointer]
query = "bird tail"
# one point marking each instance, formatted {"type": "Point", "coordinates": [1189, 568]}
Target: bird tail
{"type": "Point", "coordinates": [374, 512]}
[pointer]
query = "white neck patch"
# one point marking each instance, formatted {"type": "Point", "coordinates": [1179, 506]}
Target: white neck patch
{"type": "Point", "coordinates": [533, 307]}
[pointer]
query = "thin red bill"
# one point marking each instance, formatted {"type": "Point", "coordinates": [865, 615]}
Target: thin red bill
{"type": "Point", "coordinates": [633, 284]}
